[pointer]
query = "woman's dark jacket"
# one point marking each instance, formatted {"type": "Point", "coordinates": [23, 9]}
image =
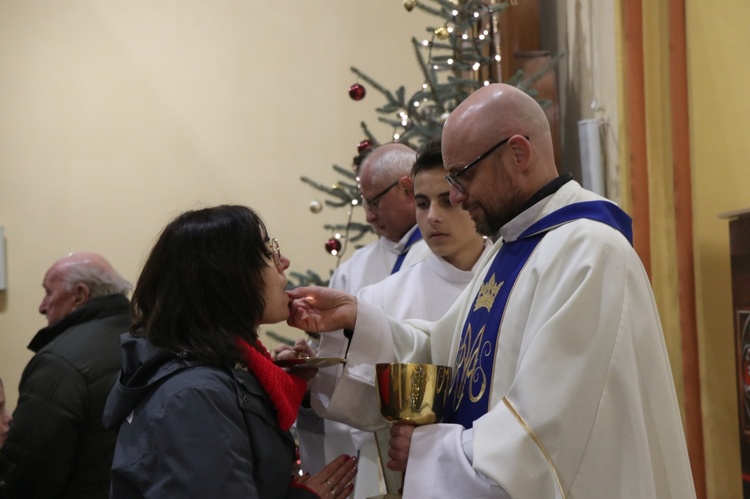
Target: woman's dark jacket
{"type": "Point", "coordinates": [5, 468]}
{"type": "Point", "coordinates": [191, 430]}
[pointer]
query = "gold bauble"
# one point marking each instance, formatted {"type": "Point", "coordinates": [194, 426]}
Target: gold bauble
{"type": "Point", "coordinates": [442, 33]}
{"type": "Point", "coordinates": [410, 4]}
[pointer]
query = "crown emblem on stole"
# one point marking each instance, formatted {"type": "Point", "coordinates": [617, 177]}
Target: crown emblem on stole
{"type": "Point", "coordinates": [487, 294]}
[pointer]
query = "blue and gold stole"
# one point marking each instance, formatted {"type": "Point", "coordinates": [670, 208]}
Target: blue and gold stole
{"type": "Point", "coordinates": [469, 396]}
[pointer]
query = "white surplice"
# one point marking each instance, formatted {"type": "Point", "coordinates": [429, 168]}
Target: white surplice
{"type": "Point", "coordinates": [374, 262]}
{"type": "Point", "coordinates": [582, 400]}
{"type": "Point", "coordinates": [426, 290]}
{"type": "Point", "coordinates": [323, 441]}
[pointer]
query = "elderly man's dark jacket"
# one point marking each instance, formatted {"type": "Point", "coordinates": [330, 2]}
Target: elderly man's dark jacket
{"type": "Point", "coordinates": [57, 443]}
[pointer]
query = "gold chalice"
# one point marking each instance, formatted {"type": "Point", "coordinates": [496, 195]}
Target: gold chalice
{"type": "Point", "coordinates": [410, 394]}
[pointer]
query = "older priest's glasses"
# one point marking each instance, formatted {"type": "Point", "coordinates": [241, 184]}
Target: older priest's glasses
{"type": "Point", "coordinates": [374, 202]}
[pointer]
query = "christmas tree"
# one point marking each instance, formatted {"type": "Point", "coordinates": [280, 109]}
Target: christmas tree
{"type": "Point", "coordinates": [459, 54]}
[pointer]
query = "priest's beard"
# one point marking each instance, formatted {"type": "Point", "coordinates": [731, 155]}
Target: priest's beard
{"type": "Point", "coordinates": [500, 208]}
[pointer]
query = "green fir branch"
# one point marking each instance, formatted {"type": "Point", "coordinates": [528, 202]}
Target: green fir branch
{"type": "Point", "coordinates": [443, 90]}
{"type": "Point", "coordinates": [429, 10]}
{"type": "Point", "coordinates": [346, 172]}
{"type": "Point", "coordinates": [360, 230]}
{"type": "Point", "coordinates": [429, 75]}
{"type": "Point", "coordinates": [369, 134]}
{"type": "Point", "coordinates": [309, 278]}
{"type": "Point", "coordinates": [333, 192]}
{"type": "Point", "coordinates": [392, 100]}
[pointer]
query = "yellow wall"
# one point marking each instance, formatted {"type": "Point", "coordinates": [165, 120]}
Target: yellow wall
{"type": "Point", "coordinates": [661, 181]}
{"type": "Point", "coordinates": [718, 46]}
{"type": "Point", "coordinates": [115, 116]}
{"type": "Point", "coordinates": [718, 51]}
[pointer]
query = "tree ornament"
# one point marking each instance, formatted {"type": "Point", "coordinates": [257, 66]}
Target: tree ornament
{"type": "Point", "coordinates": [333, 246]}
{"type": "Point", "coordinates": [409, 5]}
{"type": "Point", "coordinates": [316, 206]}
{"type": "Point", "coordinates": [357, 91]}
{"type": "Point", "coordinates": [363, 146]}
{"type": "Point", "coordinates": [442, 33]}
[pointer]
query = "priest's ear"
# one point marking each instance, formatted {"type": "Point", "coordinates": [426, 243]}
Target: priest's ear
{"type": "Point", "coordinates": [521, 151]}
{"type": "Point", "coordinates": [406, 184]}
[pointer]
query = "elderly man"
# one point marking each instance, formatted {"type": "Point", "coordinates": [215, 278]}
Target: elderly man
{"type": "Point", "coordinates": [388, 200]}
{"type": "Point", "coordinates": [57, 443]}
{"type": "Point", "coordinates": [561, 384]}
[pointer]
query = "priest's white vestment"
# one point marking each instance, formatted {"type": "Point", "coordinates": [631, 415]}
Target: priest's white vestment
{"type": "Point", "coordinates": [582, 401]}
{"type": "Point", "coordinates": [426, 290]}
{"type": "Point", "coordinates": [321, 441]}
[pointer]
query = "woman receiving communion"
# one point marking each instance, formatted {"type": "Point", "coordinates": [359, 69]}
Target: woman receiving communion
{"type": "Point", "coordinates": [202, 411]}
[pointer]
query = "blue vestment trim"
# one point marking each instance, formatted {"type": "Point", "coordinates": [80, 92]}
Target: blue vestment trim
{"type": "Point", "coordinates": [469, 396]}
{"type": "Point", "coordinates": [415, 236]}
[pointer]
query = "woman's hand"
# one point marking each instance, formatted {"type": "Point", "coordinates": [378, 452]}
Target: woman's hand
{"type": "Point", "coordinates": [283, 351]}
{"type": "Point", "coordinates": [333, 481]}
{"type": "Point", "coordinates": [300, 350]}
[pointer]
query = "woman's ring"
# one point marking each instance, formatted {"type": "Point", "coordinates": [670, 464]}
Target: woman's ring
{"type": "Point", "coordinates": [333, 491]}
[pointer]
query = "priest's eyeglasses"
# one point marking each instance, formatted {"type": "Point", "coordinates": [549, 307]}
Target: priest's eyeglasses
{"type": "Point", "coordinates": [374, 202]}
{"type": "Point", "coordinates": [453, 177]}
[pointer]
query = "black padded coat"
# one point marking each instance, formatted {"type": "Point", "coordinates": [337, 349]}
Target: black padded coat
{"type": "Point", "coordinates": [57, 443]}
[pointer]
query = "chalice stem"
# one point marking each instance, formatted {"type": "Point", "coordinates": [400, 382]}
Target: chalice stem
{"type": "Point", "coordinates": [409, 394]}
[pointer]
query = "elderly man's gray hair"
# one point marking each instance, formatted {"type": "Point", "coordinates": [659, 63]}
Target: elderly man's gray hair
{"type": "Point", "coordinates": [100, 281]}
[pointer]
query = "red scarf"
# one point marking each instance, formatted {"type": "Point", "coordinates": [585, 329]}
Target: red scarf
{"type": "Point", "coordinates": [285, 390]}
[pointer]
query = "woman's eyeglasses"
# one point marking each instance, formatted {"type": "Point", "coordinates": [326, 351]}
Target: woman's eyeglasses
{"type": "Point", "coordinates": [275, 251]}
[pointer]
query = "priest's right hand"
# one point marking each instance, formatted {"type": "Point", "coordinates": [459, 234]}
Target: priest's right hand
{"type": "Point", "coordinates": [317, 309]}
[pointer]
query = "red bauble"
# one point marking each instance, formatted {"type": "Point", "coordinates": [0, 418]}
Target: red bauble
{"type": "Point", "coordinates": [357, 91]}
{"type": "Point", "coordinates": [333, 246]}
{"type": "Point", "coordinates": [363, 146]}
